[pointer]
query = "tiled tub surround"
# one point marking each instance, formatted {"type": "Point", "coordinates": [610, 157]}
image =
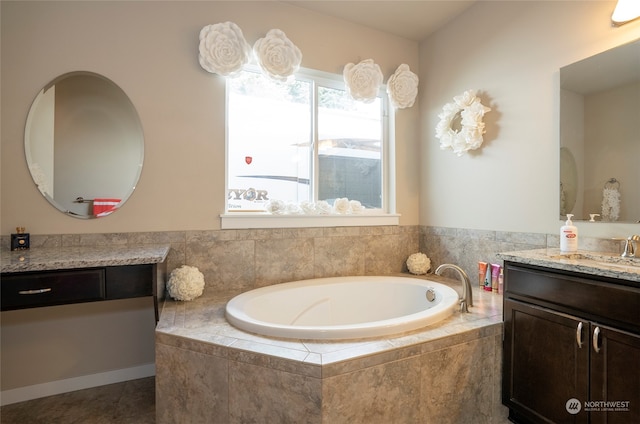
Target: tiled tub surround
{"type": "Point", "coordinates": [209, 371]}
{"type": "Point", "coordinates": [240, 260]}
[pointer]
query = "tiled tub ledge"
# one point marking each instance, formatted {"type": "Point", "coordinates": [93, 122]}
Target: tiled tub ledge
{"type": "Point", "coordinates": [448, 372]}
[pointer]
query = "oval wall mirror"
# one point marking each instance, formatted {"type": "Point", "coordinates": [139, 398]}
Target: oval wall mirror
{"type": "Point", "coordinates": [84, 145]}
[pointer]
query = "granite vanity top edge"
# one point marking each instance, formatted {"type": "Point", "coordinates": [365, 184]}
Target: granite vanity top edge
{"type": "Point", "coordinates": [47, 259]}
{"type": "Point", "coordinates": [552, 258]}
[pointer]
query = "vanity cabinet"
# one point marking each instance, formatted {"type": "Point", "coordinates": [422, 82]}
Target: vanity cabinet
{"type": "Point", "coordinates": [571, 343]}
{"type": "Point", "coordinates": [59, 287]}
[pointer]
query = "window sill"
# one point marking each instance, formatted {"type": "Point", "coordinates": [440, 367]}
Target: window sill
{"type": "Point", "coordinates": [246, 220]}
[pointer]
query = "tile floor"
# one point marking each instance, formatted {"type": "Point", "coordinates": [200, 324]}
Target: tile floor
{"type": "Point", "coordinates": [130, 402]}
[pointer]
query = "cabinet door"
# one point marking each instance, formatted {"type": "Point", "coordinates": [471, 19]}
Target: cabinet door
{"type": "Point", "coordinates": [615, 376]}
{"type": "Point", "coordinates": [546, 360]}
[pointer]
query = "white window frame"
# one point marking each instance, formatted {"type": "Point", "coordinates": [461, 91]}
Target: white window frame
{"type": "Point", "coordinates": [370, 217]}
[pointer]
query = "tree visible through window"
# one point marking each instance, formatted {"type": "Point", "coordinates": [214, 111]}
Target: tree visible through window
{"type": "Point", "coordinates": [301, 141]}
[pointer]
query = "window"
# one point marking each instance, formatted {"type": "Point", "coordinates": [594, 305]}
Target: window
{"type": "Point", "coordinates": [302, 142]}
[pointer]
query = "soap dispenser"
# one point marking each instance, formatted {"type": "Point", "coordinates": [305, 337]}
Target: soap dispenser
{"type": "Point", "coordinates": [568, 236]}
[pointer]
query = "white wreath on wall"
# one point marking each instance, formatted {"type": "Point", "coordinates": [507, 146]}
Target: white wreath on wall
{"type": "Point", "coordinates": [469, 137]}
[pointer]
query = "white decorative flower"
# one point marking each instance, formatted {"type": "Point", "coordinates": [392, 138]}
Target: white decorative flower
{"type": "Point", "coordinates": [308, 208]}
{"type": "Point", "coordinates": [471, 112]}
{"type": "Point", "coordinates": [418, 263]}
{"type": "Point", "coordinates": [185, 283]}
{"type": "Point", "coordinates": [363, 80]}
{"type": "Point", "coordinates": [341, 205]}
{"type": "Point", "coordinates": [402, 87]}
{"type": "Point", "coordinates": [293, 209]}
{"type": "Point", "coordinates": [278, 57]}
{"type": "Point", "coordinates": [323, 207]}
{"type": "Point", "coordinates": [223, 49]}
{"type": "Point", "coordinates": [356, 206]}
{"type": "Point", "coordinates": [276, 207]}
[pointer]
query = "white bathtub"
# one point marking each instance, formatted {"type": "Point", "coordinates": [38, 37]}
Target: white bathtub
{"type": "Point", "coordinates": [341, 307]}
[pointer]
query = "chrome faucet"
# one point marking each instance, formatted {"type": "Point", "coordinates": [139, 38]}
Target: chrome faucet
{"type": "Point", "coordinates": [467, 295]}
{"type": "Point", "coordinates": [630, 246]}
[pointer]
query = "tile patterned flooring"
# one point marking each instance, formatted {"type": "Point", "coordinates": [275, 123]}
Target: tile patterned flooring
{"type": "Point", "coordinates": [129, 402]}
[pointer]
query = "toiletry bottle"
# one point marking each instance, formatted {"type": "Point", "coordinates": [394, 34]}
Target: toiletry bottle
{"type": "Point", "coordinates": [501, 281]}
{"type": "Point", "coordinates": [568, 236]}
{"type": "Point", "coordinates": [487, 279]}
{"type": "Point", "coordinates": [20, 240]}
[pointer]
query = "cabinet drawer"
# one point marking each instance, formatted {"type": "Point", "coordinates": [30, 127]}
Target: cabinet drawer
{"type": "Point", "coordinates": [28, 290]}
{"type": "Point", "coordinates": [596, 299]}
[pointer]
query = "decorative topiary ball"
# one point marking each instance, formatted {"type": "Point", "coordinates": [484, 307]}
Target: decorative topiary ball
{"type": "Point", "coordinates": [418, 263]}
{"type": "Point", "coordinates": [185, 283]}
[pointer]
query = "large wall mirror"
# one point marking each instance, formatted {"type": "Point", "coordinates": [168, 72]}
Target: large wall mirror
{"type": "Point", "coordinates": [600, 136]}
{"type": "Point", "coordinates": [84, 144]}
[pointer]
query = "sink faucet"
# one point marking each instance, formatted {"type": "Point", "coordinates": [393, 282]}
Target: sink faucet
{"type": "Point", "coordinates": [467, 295]}
{"type": "Point", "coordinates": [629, 246]}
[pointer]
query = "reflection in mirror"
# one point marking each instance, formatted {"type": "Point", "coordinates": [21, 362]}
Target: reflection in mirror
{"type": "Point", "coordinates": [600, 136]}
{"type": "Point", "coordinates": [84, 144]}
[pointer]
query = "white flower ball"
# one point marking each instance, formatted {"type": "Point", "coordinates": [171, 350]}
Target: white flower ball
{"type": "Point", "coordinates": [418, 264]}
{"type": "Point", "coordinates": [185, 283]}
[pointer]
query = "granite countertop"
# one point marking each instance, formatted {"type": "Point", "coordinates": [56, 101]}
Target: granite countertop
{"type": "Point", "coordinates": [610, 265]}
{"type": "Point", "coordinates": [43, 259]}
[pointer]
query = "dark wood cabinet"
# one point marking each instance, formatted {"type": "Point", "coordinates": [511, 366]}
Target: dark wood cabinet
{"type": "Point", "coordinates": [571, 347]}
{"type": "Point", "coordinates": [35, 289]}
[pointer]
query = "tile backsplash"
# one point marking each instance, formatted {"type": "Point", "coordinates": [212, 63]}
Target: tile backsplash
{"type": "Point", "coordinates": [239, 260]}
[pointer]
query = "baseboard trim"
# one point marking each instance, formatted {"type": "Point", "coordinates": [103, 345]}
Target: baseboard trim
{"type": "Point", "coordinates": [51, 388]}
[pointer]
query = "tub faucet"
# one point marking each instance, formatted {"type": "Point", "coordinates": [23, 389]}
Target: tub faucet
{"type": "Point", "coordinates": [630, 247]}
{"type": "Point", "coordinates": [467, 295]}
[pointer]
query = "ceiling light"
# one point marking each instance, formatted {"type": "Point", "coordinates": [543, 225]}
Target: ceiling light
{"type": "Point", "coordinates": [625, 11]}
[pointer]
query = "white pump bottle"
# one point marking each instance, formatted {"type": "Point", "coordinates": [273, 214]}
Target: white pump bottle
{"type": "Point", "coordinates": [568, 236]}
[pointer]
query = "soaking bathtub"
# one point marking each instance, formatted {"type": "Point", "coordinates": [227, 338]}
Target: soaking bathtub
{"type": "Point", "coordinates": [342, 307]}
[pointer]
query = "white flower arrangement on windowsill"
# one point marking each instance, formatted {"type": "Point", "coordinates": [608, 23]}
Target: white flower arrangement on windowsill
{"type": "Point", "coordinates": [471, 111]}
{"type": "Point", "coordinates": [341, 206]}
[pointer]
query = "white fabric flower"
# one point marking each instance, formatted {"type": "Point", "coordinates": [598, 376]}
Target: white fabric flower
{"type": "Point", "coordinates": [363, 80]}
{"type": "Point", "coordinates": [223, 49]}
{"type": "Point", "coordinates": [276, 207]}
{"type": "Point", "coordinates": [323, 207]}
{"type": "Point", "coordinates": [308, 208]}
{"type": "Point", "coordinates": [402, 87]}
{"type": "Point", "coordinates": [418, 264]}
{"type": "Point", "coordinates": [356, 206]}
{"type": "Point", "coordinates": [293, 209]}
{"type": "Point", "coordinates": [185, 283]}
{"type": "Point", "coordinates": [278, 57]}
{"type": "Point", "coordinates": [471, 112]}
{"type": "Point", "coordinates": [341, 205]}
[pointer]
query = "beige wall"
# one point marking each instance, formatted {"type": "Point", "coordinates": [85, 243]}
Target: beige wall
{"type": "Point", "coordinates": [150, 49]}
{"type": "Point", "coordinates": [511, 52]}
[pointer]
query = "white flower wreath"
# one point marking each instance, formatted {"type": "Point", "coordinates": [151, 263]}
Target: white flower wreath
{"type": "Point", "coordinates": [471, 111]}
